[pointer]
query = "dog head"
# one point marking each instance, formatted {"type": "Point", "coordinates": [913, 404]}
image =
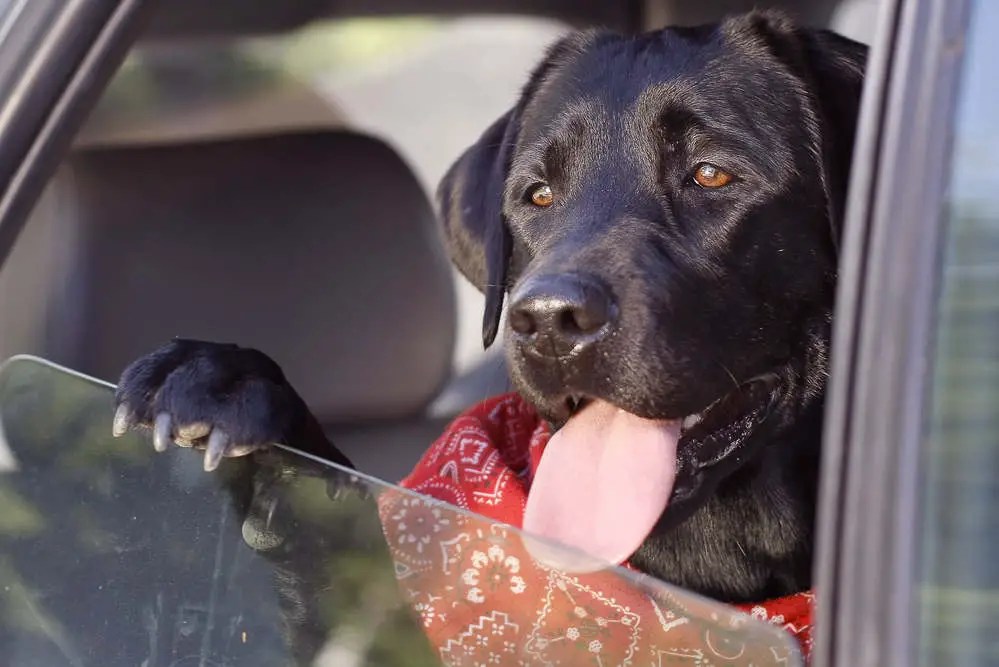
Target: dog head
{"type": "Point", "coordinates": [664, 212]}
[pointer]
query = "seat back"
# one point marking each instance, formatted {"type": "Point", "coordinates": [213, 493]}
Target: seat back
{"type": "Point", "coordinates": [319, 248]}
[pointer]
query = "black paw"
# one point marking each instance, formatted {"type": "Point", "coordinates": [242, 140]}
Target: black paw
{"type": "Point", "coordinates": [224, 399]}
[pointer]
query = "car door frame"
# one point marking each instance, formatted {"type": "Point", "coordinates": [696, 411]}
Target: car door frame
{"type": "Point", "coordinates": [882, 344]}
{"type": "Point", "coordinates": [56, 57]}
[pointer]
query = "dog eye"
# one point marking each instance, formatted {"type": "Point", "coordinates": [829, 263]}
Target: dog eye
{"type": "Point", "coordinates": [541, 195]}
{"type": "Point", "coordinates": [709, 176]}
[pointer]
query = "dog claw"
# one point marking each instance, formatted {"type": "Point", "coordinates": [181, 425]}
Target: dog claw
{"type": "Point", "coordinates": [124, 419]}
{"type": "Point", "coordinates": [162, 432]}
{"type": "Point", "coordinates": [218, 442]}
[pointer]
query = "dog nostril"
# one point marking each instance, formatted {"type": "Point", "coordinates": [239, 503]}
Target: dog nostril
{"type": "Point", "coordinates": [564, 309]}
{"type": "Point", "coordinates": [589, 316]}
{"type": "Point", "coordinates": [522, 321]}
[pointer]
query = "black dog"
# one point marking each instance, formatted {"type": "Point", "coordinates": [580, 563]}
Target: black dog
{"type": "Point", "coordinates": [664, 212]}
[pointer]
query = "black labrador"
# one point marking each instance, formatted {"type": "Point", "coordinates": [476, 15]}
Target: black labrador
{"type": "Point", "coordinates": [662, 214]}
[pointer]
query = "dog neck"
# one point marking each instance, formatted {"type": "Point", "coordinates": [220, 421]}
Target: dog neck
{"type": "Point", "coordinates": [752, 537]}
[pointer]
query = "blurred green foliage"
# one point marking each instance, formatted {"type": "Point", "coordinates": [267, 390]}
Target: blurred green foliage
{"type": "Point", "coordinates": [344, 45]}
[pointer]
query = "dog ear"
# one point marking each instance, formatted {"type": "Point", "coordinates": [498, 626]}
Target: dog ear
{"type": "Point", "coordinates": [470, 196]}
{"type": "Point", "coordinates": [837, 66]}
{"type": "Point", "coordinates": [831, 67]}
{"type": "Point", "coordinates": [470, 200]}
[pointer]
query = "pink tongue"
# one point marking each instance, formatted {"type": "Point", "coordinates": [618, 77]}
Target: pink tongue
{"type": "Point", "coordinates": [603, 482]}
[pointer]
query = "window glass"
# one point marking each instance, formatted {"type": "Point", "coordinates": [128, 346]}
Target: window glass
{"type": "Point", "coordinates": [959, 568]}
{"type": "Point", "coordinates": [113, 555]}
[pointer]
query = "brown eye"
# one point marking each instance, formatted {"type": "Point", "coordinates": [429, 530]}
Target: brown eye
{"type": "Point", "coordinates": [542, 196]}
{"type": "Point", "coordinates": [710, 176]}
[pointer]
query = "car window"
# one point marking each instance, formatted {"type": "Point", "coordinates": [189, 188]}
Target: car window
{"type": "Point", "coordinates": [958, 596]}
{"type": "Point", "coordinates": [111, 554]}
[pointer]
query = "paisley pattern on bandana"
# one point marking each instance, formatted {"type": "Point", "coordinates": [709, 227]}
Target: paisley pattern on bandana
{"type": "Point", "coordinates": [483, 600]}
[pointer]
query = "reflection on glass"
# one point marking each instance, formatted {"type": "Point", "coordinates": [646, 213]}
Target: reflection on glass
{"type": "Point", "coordinates": [959, 610]}
{"type": "Point", "coordinates": [113, 555]}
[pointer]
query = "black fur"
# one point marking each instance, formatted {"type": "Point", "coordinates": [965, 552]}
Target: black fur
{"type": "Point", "coordinates": [714, 287]}
{"type": "Point", "coordinates": [719, 292]}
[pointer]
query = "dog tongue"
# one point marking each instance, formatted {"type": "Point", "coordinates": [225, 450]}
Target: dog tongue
{"type": "Point", "coordinates": [603, 481]}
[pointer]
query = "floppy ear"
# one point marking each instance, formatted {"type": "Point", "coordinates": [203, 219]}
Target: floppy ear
{"type": "Point", "coordinates": [837, 66]}
{"type": "Point", "coordinates": [470, 199]}
{"type": "Point", "coordinates": [470, 196]}
{"type": "Point", "coordinates": [832, 68]}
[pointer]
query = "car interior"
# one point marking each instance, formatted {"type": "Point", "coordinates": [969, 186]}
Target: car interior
{"type": "Point", "coordinates": [216, 196]}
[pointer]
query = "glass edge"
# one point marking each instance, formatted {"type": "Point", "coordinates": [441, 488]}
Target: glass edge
{"type": "Point", "coordinates": [640, 581]}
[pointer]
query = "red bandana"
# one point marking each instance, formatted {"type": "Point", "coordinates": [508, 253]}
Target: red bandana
{"type": "Point", "coordinates": [483, 600]}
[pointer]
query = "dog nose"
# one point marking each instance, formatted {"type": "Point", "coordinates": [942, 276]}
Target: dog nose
{"type": "Point", "coordinates": [556, 314]}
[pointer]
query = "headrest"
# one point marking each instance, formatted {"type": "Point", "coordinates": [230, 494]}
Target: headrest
{"type": "Point", "coordinates": [318, 248]}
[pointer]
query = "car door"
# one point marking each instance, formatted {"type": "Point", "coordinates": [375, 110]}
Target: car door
{"type": "Point", "coordinates": [908, 566]}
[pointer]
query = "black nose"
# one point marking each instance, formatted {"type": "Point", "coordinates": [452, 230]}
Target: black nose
{"type": "Point", "coordinates": [557, 314]}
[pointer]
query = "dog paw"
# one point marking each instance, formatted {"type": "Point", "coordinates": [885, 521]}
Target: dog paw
{"type": "Point", "coordinates": [223, 399]}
